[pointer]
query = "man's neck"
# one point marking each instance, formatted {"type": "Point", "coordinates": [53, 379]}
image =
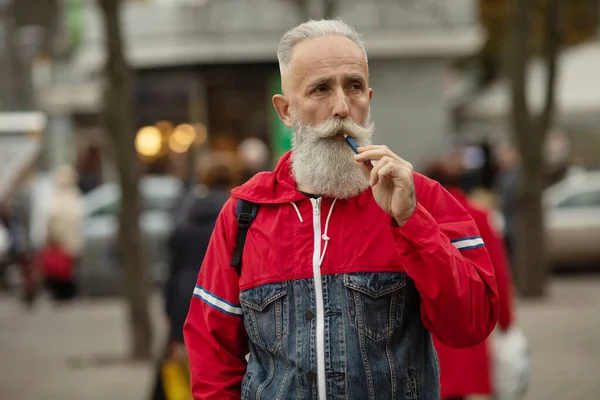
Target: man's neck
{"type": "Point", "coordinates": [307, 191]}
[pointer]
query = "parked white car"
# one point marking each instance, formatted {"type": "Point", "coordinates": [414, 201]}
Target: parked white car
{"type": "Point", "coordinates": [572, 219]}
{"type": "Point", "coordinates": [99, 272]}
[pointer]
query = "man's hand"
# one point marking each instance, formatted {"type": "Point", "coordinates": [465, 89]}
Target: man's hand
{"type": "Point", "coordinates": [391, 180]}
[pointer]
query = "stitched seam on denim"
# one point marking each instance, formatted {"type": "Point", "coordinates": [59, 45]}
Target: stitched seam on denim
{"type": "Point", "coordinates": [254, 327]}
{"type": "Point", "coordinates": [326, 336]}
{"type": "Point", "coordinates": [375, 294]}
{"type": "Point", "coordinates": [262, 386]}
{"type": "Point", "coordinates": [343, 349]}
{"type": "Point", "coordinates": [281, 327]}
{"type": "Point", "coordinates": [265, 303]}
{"type": "Point", "coordinates": [246, 388]}
{"type": "Point", "coordinates": [388, 347]}
{"type": "Point", "coordinates": [298, 316]}
{"type": "Point", "coordinates": [363, 351]}
{"type": "Point", "coordinates": [372, 293]}
{"type": "Point", "coordinates": [287, 369]}
{"type": "Point", "coordinates": [278, 321]}
{"type": "Point", "coordinates": [412, 377]}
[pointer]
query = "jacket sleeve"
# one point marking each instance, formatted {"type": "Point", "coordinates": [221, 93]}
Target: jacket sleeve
{"type": "Point", "coordinates": [497, 251]}
{"type": "Point", "coordinates": [442, 251]}
{"type": "Point", "coordinates": [214, 332]}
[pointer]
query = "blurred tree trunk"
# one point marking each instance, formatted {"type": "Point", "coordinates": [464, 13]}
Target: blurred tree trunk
{"type": "Point", "coordinates": [119, 127]}
{"type": "Point", "coordinates": [530, 131]}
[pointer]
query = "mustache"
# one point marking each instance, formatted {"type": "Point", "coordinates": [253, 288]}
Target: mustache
{"type": "Point", "coordinates": [336, 126]}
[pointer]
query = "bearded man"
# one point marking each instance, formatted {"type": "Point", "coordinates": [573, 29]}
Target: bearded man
{"type": "Point", "coordinates": [351, 262]}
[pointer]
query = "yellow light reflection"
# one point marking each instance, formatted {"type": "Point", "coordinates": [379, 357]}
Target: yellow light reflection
{"type": "Point", "coordinates": [176, 146]}
{"type": "Point", "coordinates": [165, 127]}
{"type": "Point", "coordinates": [184, 134]}
{"type": "Point", "coordinates": [201, 133]}
{"type": "Point", "coordinates": [148, 141]}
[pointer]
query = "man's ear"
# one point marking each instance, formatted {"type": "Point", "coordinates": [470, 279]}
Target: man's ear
{"type": "Point", "coordinates": [283, 109]}
{"type": "Point", "coordinates": [370, 93]}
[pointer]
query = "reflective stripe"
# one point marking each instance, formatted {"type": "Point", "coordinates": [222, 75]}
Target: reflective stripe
{"type": "Point", "coordinates": [467, 243]}
{"type": "Point", "coordinates": [217, 302]}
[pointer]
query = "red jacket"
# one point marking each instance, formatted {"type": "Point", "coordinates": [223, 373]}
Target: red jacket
{"type": "Point", "coordinates": [439, 248]}
{"type": "Point", "coordinates": [467, 372]}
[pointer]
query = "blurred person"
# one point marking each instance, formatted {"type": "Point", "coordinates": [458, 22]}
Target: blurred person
{"type": "Point", "coordinates": [208, 160]}
{"type": "Point", "coordinates": [5, 245]}
{"type": "Point", "coordinates": [467, 372]}
{"type": "Point", "coordinates": [253, 154]}
{"type": "Point", "coordinates": [89, 169]}
{"type": "Point", "coordinates": [187, 246]}
{"type": "Point", "coordinates": [16, 218]}
{"type": "Point", "coordinates": [507, 157]}
{"type": "Point", "coordinates": [58, 270]}
{"type": "Point", "coordinates": [64, 229]}
{"type": "Point", "coordinates": [344, 275]}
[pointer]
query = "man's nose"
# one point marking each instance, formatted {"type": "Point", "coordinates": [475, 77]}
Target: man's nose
{"type": "Point", "coordinates": [340, 107]}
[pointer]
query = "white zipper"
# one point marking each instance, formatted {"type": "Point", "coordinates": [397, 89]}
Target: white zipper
{"type": "Point", "coordinates": [321, 382]}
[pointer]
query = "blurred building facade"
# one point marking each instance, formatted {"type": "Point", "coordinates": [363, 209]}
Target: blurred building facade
{"type": "Point", "coordinates": [577, 116]}
{"type": "Point", "coordinates": [214, 63]}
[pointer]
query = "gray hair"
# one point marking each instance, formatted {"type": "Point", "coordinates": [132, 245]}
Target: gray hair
{"type": "Point", "coordinates": [314, 29]}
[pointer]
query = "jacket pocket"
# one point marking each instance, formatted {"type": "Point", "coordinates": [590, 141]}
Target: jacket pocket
{"type": "Point", "coordinates": [265, 314]}
{"type": "Point", "coordinates": [375, 302]}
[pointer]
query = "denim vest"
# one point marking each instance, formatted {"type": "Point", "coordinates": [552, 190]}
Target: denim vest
{"type": "Point", "coordinates": [376, 346]}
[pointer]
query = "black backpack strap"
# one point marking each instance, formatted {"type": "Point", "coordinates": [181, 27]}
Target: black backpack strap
{"type": "Point", "coordinates": [245, 212]}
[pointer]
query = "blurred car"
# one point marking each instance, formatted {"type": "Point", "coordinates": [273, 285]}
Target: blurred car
{"type": "Point", "coordinates": [99, 272]}
{"type": "Point", "coordinates": [572, 219]}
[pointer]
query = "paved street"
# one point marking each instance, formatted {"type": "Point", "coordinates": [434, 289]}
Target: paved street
{"type": "Point", "coordinates": [565, 335]}
{"type": "Point", "coordinates": [75, 352]}
{"type": "Point", "coordinates": [72, 353]}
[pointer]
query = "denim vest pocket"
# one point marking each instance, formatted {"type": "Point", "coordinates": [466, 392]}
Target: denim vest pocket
{"type": "Point", "coordinates": [265, 314]}
{"type": "Point", "coordinates": [376, 302]}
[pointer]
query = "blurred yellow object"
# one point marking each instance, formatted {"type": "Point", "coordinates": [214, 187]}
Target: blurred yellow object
{"type": "Point", "coordinates": [148, 141]}
{"type": "Point", "coordinates": [176, 383]}
{"type": "Point", "coordinates": [201, 133]}
{"type": "Point", "coordinates": [176, 146]}
{"type": "Point", "coordinates": [185, 134]}
{"type": "Point", "coordinates": [165, 127]}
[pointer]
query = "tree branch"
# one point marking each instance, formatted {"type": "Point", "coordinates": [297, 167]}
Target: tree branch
{"type": "Point", "coordinates": [115, 59]}
{"type": "Point", "coordinates": [517, 66]}
{"type": "Point", "coordinates": [552, 39]}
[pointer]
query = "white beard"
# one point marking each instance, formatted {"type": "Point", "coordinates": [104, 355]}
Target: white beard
{"type": "Point", "coordinates": [324, 163]}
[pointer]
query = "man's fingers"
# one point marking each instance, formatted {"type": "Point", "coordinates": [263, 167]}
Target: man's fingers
{"type": "Point", "coordinates": [376, 153]}
{"type": "Point", "coordinates": [365, 168]}
{"type": "Point", "coordinates": [384, 172]}
{"type": "Point", "coordinates": [374, 178]}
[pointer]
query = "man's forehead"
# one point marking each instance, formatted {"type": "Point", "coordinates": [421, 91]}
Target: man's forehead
{"type": "Point", "coordinates": [320, 56]}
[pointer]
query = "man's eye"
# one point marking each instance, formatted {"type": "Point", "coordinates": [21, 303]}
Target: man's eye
{"type": "Point", "coordinates": [320, 89]}
{"type": "Point", "coordinates": [356, 86]}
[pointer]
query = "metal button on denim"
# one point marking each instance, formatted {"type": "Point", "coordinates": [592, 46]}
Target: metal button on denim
{"type": "Point", "coordinates": [309, 315]}
{"type": "Point", "coordinates": [311, 375]}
